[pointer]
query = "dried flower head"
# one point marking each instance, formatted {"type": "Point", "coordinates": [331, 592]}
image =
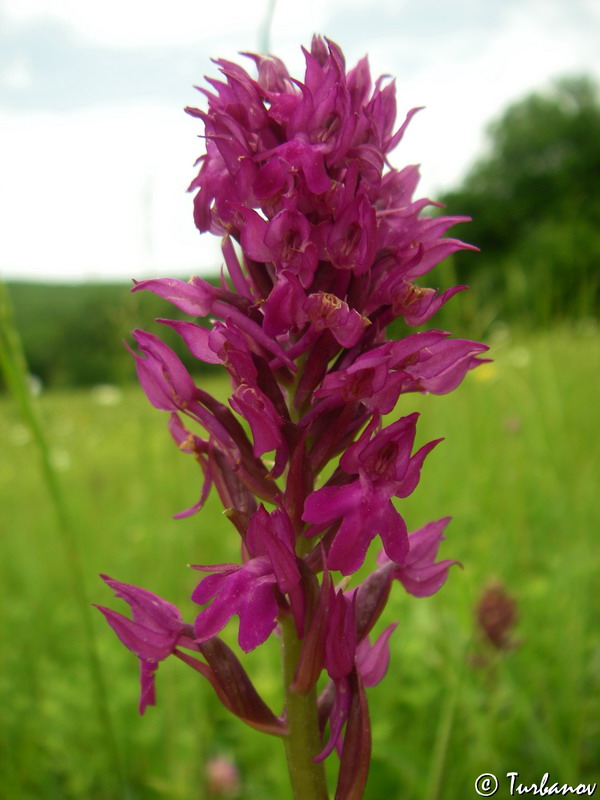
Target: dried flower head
{"type": "Point", "coordinates": [496, 615]}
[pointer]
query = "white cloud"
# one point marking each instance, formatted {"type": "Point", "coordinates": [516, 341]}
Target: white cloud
{"type": "Point", "coordinates": [102, 191]}
{"type": "Point", "coordinates": [134, 23]}
{"type": "Point", "coordinates": [16, 74]}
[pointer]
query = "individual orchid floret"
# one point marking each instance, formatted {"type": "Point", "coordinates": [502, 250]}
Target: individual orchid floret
{"type": "Point", "coordinates": [157, 631]}
{"type": "Point", "coordinates": [254, 590]}
{"type": "Point", "coordinates": [328, 312]}
{"type": "Point", "coordinates": [200, 298]}
{"type": "Point", "coordinates": [167, 383]}
{"type": "Point", "coordinates": [283, 310]}
{"type": "Point", "coordinates": [285, 241]}
{"type": "Point", "coordinates": [378, 376]}
{"type": "Point", "coordinates": [273, 76]}
{"type": "Point", "coordinates": [272, 535]}
{"type": "Point", "coordinates": [350, 241]}
{"type": "Point", "coordinates": [384, 468]}
{"type": "Point", "coordinates": [262, 416]}
{"type": "Point", "coordinates": [299, 161]}
{"type": "Point", "coordinates": [424, 362]}
{"type": "Point", "coordinates": [170, 387]}
{"type": "Point", "coordinates": [248, 591]}
{"type": "Point", "coordinates": [153, 634]}
{"type": "Point", "coordinates": [417, 304]}
{"type": "Point", "coordinates": [444, 367]}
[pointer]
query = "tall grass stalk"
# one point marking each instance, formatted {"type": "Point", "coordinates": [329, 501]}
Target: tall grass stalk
{"type": "Point", "coordinates": [444, 730]}
{"type": "Point", "coordinates": [13, 365]}
{"type": "Point", "coordinates": [264, 34]}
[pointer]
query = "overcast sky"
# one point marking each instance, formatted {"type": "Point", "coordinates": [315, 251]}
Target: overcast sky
{"type": "Point", "coordinates": [96, 152]}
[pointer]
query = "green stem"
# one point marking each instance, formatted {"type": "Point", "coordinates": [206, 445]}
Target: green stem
{"type": "Point", "coordinates": [303, 741]}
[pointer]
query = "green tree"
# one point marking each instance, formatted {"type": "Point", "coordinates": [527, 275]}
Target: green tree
{"type": "Point", "coordinates": [535, 206]}
{"type": "Point", "coordinates": [74, 335]}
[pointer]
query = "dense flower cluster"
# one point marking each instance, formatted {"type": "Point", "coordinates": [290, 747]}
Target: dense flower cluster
{"type": "Point", "coordinates": [323, 244]}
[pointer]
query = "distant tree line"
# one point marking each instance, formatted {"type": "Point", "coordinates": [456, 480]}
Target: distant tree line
{"type": "Point", "coordinates": [534, 199]}
{"type": "Point", "coordinates": [74, 335]}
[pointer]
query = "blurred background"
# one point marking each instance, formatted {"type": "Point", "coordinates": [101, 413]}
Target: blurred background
{"type": "Point", "coordinates": [499, 673]}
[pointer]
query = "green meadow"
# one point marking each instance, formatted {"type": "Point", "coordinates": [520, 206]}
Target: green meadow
{"type": "Point", "coordinates": [518, 471]}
